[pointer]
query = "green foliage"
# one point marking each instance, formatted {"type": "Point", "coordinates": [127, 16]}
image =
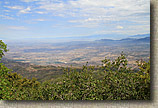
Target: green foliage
{"type": "Point", "coordinates": [119, 83]}
{"type": "Point", "coordinates": [5, 87]}
{"type": "Point", "coordinates": [116, 82]}
{"type": "Point", "coordinates": [3, 48]}
{"type": "Point", "coordinates": [4, 83]}
{"type": "Point", "coordinates": [144, 66]}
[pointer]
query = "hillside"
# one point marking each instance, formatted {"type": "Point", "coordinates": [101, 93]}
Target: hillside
{"type": "Point", "coordinates": [42, 73]}
{"type": "Point", "coordinates": [27, 70]}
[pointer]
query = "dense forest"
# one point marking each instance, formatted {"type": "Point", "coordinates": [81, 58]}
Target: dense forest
{"type": "Point", "coordinates": [114, 80]}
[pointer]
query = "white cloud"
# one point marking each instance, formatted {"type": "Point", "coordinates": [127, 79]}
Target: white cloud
{"type": "Point", "coordinates": [41, 12]}
{"type": "Point", "coordinates": [87, 25]}
{"type": "Point", "coordinates": [107, 10]}
{"type": "Point", "coordinates": [60, 7]}
{"type": "Point", "coordinates": [93, 13]}
{"type": "Point", "coordinates": [14, 7]}
{"type": "Point", "coordinates": [17, 28]}
{"type": "Point", "coordinates": [113, 8]}
{"type": "Point", "coordinates": [6, 2]}
{"type": "Point", "coordinates": [6, 17]}
{"type": "Point", "coordinates": [29, 0]}
{"type": "Point", "coordinates": [136, 29]}
{"type": "Point", "coordinates": [116, 9]}
{"type": "Point", "coordinates": [40, 19]}
{"type": "Point", "coordinates": [108, 32]}
{"type": "Point", "coordinates": [6, 10]}
{"type": "Point", "coordinates": [24, 11]}
{"type": "Point", "coordinates": [119, 27]}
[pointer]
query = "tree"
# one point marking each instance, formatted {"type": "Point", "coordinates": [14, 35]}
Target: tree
{"type": "Point", "coordinates": [4, 83]}
{"type": "Point", "coordinates": [3, 48]}
{"type": "Point", "coordinates": [13, 86]}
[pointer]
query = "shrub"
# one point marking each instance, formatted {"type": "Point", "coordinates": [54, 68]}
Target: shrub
{"type": "Point", "coordinates": [116, 82]}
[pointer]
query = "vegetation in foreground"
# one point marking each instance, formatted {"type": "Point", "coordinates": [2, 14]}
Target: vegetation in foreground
{"type": "Point", "coordinates": [112, 81]}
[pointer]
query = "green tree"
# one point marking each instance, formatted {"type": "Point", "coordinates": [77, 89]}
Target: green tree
{"type": "Point", "coordinates": [3, 48]}
{"type": "Point", "coordinates": [4, 83]}
{"type": "Point", "coordinates": [13, 86]}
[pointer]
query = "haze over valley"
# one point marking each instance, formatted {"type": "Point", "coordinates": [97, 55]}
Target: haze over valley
{"type": "Point", "coordinates": [77, 53]}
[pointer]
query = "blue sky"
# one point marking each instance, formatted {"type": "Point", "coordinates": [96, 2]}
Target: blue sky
{"type": "Point", "coordinates": [21, 19]}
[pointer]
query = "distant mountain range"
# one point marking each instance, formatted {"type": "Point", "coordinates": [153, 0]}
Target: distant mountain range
{"type": "Point", "coordinates": [83, 39]}
{"type": "Point", "coordinates": [140, 36]}
{"type": "Point", "coordinates": [128, 39]}
{"type": "Point", "coordinates": [101, 36]}
{"type": "Point", "coordinates": [125, 41]}
{"type": "Point", "coordinates": [103, 42]}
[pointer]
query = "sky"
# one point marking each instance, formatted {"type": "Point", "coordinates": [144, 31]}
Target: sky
{"type": "Point", "coordinates": [20, 19]}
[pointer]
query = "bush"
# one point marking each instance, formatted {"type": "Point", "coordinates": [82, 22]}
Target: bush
{"type": "Point", "coordinates": [114, 81]}
{"type": "Point", "coordinates": [119, 82]}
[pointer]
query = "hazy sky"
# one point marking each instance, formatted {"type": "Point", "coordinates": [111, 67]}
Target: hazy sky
{"type": "Point", "coordinates": [62, 18]}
